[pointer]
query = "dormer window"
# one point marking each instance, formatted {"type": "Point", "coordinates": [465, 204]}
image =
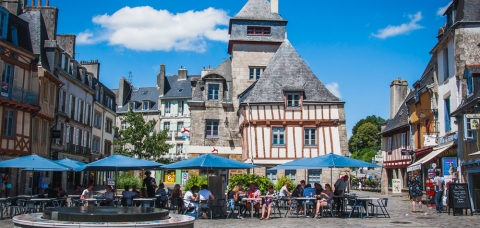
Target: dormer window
{"type": "Point", "coordinates": [255, 72]}
{"type": "Point", "coordinates": [261, 31]}
{"type": "Point", "coordinates": [213, 91]}
{"type": "Point", "coordinates": [3, 23]}
{"type": "Point", "coordinates": [14, 35]}
{"type": "Point", "coordinates": [293, 100]}
{"type": "Point", "coordinates": [131, 105]}
{"type": "Point", "coordinates": [417, 93]}
{"type": "Point", "coordinates": [146, 105]}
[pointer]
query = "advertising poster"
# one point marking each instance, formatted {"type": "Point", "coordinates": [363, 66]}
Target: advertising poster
{"type": "Point", "coordinates": [449, 168]}
{"type": "Point", "coordinates": [396, 186]}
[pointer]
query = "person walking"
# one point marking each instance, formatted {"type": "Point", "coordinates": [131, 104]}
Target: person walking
{"type": "Point", "coordinates": [416, 191]}
{"type": "Point", "coordinates": [439, 183]}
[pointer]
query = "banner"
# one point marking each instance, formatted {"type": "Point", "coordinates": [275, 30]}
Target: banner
{"type": "Point", "coordinates": [396, 186]}
{"type": "Point", "coordinates": [449, 168]}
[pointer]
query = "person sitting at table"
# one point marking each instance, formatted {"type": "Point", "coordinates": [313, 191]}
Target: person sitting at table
{"type": "Point", "coordinates": [191, 199]}
{"type": "Point", "coordinates": [253, 192]}
{"type": "Point", "coordinates": [108, 195]}
{"type": "Point", "coordinates": [206, 194]}
{"type": "Point", "coordinates": [297, 192]}
{"type": "Point", "coordinates": [87, 193]}
{"type": "Point", "coordinates": [309, 192]}
{"type": "Point", "coordinates": [52, 191]}
{"type": "Point", "coordinates": [269, 202]}
{"type": "Point", "coordinates": [127, 196]}
{"type": "Point", "coordinates": [78, 190]}
{"type": "Point", "coordinates": [326, 198]}
{"type": "Point", "coordinates": [318, 189]}
{"type": "Point", "coordinates": [234, 200]}
{"type": "Point", "coordinates": [177, 196]}
{"type": "Point", "coordinates": [284, 192]}
{"type": "Point", "coordinates": [61, 191]}
{"type": "Point", "coordinates": [162, 198]}
{"type": "Point", "coordinates": [134, 189]}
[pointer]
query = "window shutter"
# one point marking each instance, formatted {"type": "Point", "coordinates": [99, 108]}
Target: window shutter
{"type": "Point", "coordinates": [174, 108]}
{"type": "Point", "coordinates": [17, 78]}
{"type": "Point", "coordinates": [2, 66]}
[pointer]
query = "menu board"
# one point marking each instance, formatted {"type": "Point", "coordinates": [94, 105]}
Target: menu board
{"type": "Point", "coordinates": [459, 197]}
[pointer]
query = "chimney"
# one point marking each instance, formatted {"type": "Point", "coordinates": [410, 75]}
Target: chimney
{"type": "Point", "coordinates": [205, 71]}
{"type": "Point", "coordinates": [92, 66]}
{"type": "Point", "coordinates": [182, 73]}
{"type": "Point", "coordinates": [161, 80]}
{"type": "Point", "coordinates": [13, 6]}
{"type": "Point", "coordinates": [398, 92]}
{"type": "Point", "coordinates": [47, 3]}
{"type": "Point", "coordinates": [274, 6]}
{"type": "Point", "coordinates": [39, 2]}
{"type": "Point", "coordinates": [33, 2]}
{"type": "Point", "coordinates": [123, 91]}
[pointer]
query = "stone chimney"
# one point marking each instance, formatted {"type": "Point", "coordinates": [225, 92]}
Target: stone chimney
{"type": "Point", "coordinates": [182, 73]}
{"type": "Point", "coordinates": [398, 92]}
{"type": "Point", "coordinates": [49, 15]}
{"type": "Point", "coordinates": [205, 71]}
{"type": "Point", "coordinates": [124, 90]}
{"type": "Point", "coordinates": [92, 66]}
{"type": "Point", "coordinates": [67, 43]}
{"type": "Point", "coordinates": [274, 6]}
{"type": "Point", "coordinates": [13, 6]}
{"type": "Point", "coordinates": [161, 80]}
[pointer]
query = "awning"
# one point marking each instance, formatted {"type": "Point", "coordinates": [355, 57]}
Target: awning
{"type": "Point", "coordinates": [476, 153]}
{"type": "Point", "coordinates": [435, 152]}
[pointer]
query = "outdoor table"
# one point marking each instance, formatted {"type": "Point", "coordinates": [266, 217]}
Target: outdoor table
{"type": "Point", "coordinates": [144, 201]}
{"type": "Point", "coordinates": [2, 207]}
{"type": "Point", "coordinates": [306, 198]}
{"type": "Point", "coordinates": [251, 206]}
{"type": "Point", "coordinates": [43, 201]}
{"type": "Point", "coordinates": [93, 200]}
{"type": "Point", "coordinates": [369, 199]}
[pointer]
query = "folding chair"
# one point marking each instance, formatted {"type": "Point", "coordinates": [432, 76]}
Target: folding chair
{"type": "Point", "coordinates": [356, 205]}
{"type": "Point", "coordinates": [382, 204]}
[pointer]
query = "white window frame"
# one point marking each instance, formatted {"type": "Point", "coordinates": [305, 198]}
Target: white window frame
{"type": "Point", "coordinates": [292, 101]}
{"type": "Point", "coordinates": [145, 103]}
{"type": "Point", "coordinates": [310, 136]}
{"type": "Point", "coordinates": [404, 140]}
{"type": "Point", "coordinates": [179, 148]}
{"type": "Point", "coordinates": [277, 134]}
{"type": "Point", "coordinates": [213, 94]}
{"type": "Point", "coordinates": [166, 126]}
{"type": "Point", "coordinates": [468, 133]}
{"type": "Point", "coordinates": [210, 126]}
{"type": "Point", "coordinates": [9, 128]}
{"type": "Point", "coordinates": [168, 107]}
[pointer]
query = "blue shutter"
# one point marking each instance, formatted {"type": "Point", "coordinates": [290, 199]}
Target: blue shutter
{"type": "Point", "coordinates": [447, 114]}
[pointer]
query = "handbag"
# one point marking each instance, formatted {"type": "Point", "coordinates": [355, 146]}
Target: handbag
{"type": "Point", "coordinates": [8, 186]}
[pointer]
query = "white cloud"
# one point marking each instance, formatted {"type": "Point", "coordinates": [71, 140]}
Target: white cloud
{"type": "Point", "coordinates": [441, 10]}
{"type": "Point", "coordinates": [395, 30]}
{"type": "Point", "coordinates": [334, 88]}
{"type": "Point", "coordinates": [147, 29]}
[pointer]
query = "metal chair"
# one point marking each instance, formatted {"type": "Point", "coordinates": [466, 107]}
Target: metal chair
{"type": "Point", "coordinates": [294, 207]}
{"type": "Point", "coordinates": [14, 206]}
{"type": "Point", "coordinates": [355, 205]}
{"type": "Point", "coordinates": [382, 204]}
{"type": "Point", "coordinates": [176, 204]}
{"type": "Point", "coordinates": [219, 206]}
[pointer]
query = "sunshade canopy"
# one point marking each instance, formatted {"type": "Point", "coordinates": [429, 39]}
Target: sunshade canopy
{"type": "Point", "coordinates": [70, 163]}
{"type": "Point", "coordinates": [209, 161]}
{"type": "Point", "coordinates": [119, 163]}
{"type": "Point", "coordinates": [325, 161]}
{"type": "Point", "coordinates": [33, 162]}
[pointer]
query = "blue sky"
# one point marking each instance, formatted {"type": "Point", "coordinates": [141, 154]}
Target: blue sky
{"type": "Point", "coordinates": [355, 47]}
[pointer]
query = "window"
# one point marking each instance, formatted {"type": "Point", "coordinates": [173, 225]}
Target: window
{"type": "Point", "coordinates": [87, 114]}
{"type": "Point", "coordinates": [7, 77]}
{"type": "Point", "coordinates": [87, 139]}
{"type": "Point", "coordinates": [96, 145]}
{"type": "Point", "coordinates": [107, 148]}
{"type": "Point", "coordinates": [70, 135]}
{"type": "Point", "coordinates": [292, 174]}
{"type": "Point", "coordinates": [36, 125]}
{"type": "Point", "coordinates": [3, 23]}
{"type": "Point", "coordinates": [180, 108]}
{"type": "Point", "coordinates": [97, 120]}
{"type": "Point", "coordinates": [404, 141]}
{"type": "Point", "coordinates": [179, 148]}
{"type": "Point", "coordinates": [390, 144]}
{"type": "Point", "coordinates": [45, 89]}
{"type": "Point", "coordinates": [72, 106]}
{"type": "Point", "coordinates": [448, 125]}
{"type": "Point", "coordinates": [445, 64]}
{"type": "Point", "coordinates": [179, 127]}
{"type": "Point", "coordinates": [80, 110]}
{"type": "Point", "coordinates": [79, 137]}
{"type": "Point", "coordinates": [417, 94]}
{"type": "Point", "coordinates": [44, 131]}
{"type": "Point", "coordinates": [310, 137]}
{"type": "Point", "coordinates": [278, 134]}
{"type": "Point", "coordinates": [60, 140]}
{"type": "Point", "coordinates": [9, 124]}
{"type": "Point", "coordinates": [123, 125]}
{"type": "Point", "coordinates": [61, 98]}
{"type": "Point", "coordinates": [252, 30]}
{"type": "Point", "coordinates": [469, 78]}
{"type": "Point", "coordinates": [14, 35]}
{"type": "Point", "coordinates": [131, 105]}
{"type": "Point", "coordinates": [166, 126]}
{"type": "Point", "coordinates": [168, 104]}
{"type": "Point", "coordinates": [293, 100]}
{"type": "Point", "coordinates": [146, 105]}
{"type": "Point", "coordinates": [52, 93]}
{"type": "Point", "coordinates": [213, 91]}
{"type": "Point", "coordinates": [272, 175]}
{"type": "Point", "coordinates": [108, 125]}
{"type": "Point", "coordinates": [314, 176]}
{"type": "Point", "coordinates": [469, 133]}
{"type": "Point", "coordinates": [255, 72]}
{"type": "Point", "coordinates": [212, 129]}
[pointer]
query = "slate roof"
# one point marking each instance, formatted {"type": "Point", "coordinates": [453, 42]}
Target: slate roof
{"type": "Point", "coordinates": [142, 94]}
{"type": "Point", "coordinates": [287, 71]}
{"type": "Point", "coordinates": [37, 35]}
{"type": "Point", "coordinates": [23, 33]}
{"type": "Point", "coordinates": [401, 117]}
{"type": "Point", "coordinates": [258, 10]}
{"type": "Point", "coordinates": [178, 89]}
{"type": "Point", "coordinates": [471, 100]}
{"type": "Point", "coordinates": [224, 70]}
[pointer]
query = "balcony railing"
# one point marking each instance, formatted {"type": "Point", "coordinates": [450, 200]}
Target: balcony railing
{"type": "Point", "coordinates": [70, 148]}
{"type": "Point", "coordinates": [15, 93]}
{"type": "Point", "coordinates": [452, 137]}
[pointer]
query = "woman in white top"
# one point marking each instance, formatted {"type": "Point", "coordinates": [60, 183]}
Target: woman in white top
{"type": "Point", "coordinates": [191, 198]}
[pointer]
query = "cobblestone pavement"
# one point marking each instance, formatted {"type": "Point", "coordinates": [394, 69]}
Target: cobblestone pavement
{"type": "Point", "coordinates": [399, 209]}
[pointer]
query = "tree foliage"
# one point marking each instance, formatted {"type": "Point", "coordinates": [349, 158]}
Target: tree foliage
{"type": "Point", "coordinates": [195, 180]}
{"type": "Point", "coordinates": [140, 139]}
{"type": "Point", "coordinates": [245, 180]}
{"type": "Point", "coordinates": [281, 182]}
{"type": "Point", "coordinates": [126, 178]}
{"type": "Point", "coordinates": [366, 138]}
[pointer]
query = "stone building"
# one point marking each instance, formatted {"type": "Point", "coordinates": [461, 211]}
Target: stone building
{"type": "Point", "coordinates": [396, 136]}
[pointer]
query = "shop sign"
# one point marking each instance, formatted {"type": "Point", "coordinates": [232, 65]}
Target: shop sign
{"type": "Point", "coordinates": [378, 158]}
{"type": "Point", "coordinates": [471, 116]}
{"type": "Point", "coordinates": [430, 140]}
{"type": "Point", "coordinates": [169, 177]}
{"type": "Point", "coordinates": [396, 186]}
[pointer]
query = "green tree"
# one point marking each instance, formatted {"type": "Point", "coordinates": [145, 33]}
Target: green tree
{"type": "Point", "coordinates": [195, 180]}
{"type": "Point", "coordinates": [140, 139]}
{"type": "Point", "coordinates": [245, 179]}
{"type": "Point", "coordinates": [376, 120]}
{"type": "Point", "coordinates": [366, 138]}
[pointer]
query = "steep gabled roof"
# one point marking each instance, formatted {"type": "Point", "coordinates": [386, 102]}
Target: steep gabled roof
{"type": "Point", "coordinates": [178, 89]}
{"type": "Point", "coordinates": [224, 70]}
{"type": "Point", "coordinates": [258, 10]}
{"type": "Point", "coordinates": [401, 117]}
{"type": "Point", "coordinates": [287, 71]}
{"type": "Point", "coordinates": [142, 94]}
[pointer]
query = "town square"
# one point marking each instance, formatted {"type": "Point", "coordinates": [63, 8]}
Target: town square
{"type": "Point", "coordinates": [244, 113]}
